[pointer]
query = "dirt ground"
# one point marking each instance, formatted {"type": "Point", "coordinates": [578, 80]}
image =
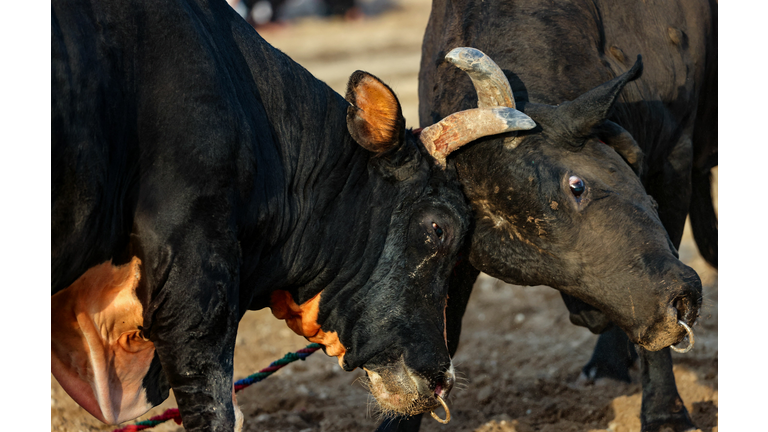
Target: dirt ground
{"type": "Point", "coordinates": [519, 359]}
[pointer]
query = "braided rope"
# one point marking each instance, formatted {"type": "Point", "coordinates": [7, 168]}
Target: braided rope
{"type": "Point", "coordinates": [175, 415]}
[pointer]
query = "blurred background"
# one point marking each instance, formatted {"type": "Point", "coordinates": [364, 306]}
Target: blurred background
{"type": "Point", "coordinates": [519, 358]}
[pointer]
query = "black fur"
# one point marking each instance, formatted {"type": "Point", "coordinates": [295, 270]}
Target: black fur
{"type": "Point", "coordinates": [181, 137]}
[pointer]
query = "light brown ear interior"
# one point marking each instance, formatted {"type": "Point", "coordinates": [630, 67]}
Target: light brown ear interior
{"type": "Point", "coordinates": [375, 120]}
{"type": "Point", "coordinates": [623, 143]}
{"type": "Point", "coordinates": [302, 319]}
{"type": "Point", "coordinates": [97, 352]}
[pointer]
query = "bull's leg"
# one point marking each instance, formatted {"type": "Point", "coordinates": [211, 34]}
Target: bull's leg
{"type": "Point", "coordinates": [192, 320]}
{"type": "Point", "coordinates": [662, 406]}
{"type": "Point", "coordinates": [459, 289]}
{"type": "Point", "coordinates": [197, 356]}
{"type": "Point", "coordinates": [661, 403]}
{"type": "Point", "coordinates": [614, 354]}
{"type": "Point", "coordinates": [671, 187]}
{"type": "Point", "coordinates": [612, 357]}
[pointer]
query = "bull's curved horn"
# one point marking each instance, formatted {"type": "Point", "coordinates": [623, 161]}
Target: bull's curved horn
{"type": "Point", "coordinates": [463, 127]}
{"type": "Point", "coordinates": [490, 83]}
{"type": "Point", "coordinates": [495, 113]}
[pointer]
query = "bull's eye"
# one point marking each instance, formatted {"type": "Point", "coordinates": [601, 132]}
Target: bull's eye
{"type": "Point", "coordinates": [577, 186]}
{"type": "Point", "coordinates": [438, 230]}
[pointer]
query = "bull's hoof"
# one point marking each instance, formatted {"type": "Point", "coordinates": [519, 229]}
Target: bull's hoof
{"type": "Point", "coordinates": [671, 422]}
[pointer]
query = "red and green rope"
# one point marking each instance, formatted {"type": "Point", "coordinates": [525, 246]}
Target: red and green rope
{"type": "Point", "coordinates": [173, 413]}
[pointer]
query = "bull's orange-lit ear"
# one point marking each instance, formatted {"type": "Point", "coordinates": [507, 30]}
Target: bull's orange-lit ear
{"type": "Point", "coordinates": [375, 119]}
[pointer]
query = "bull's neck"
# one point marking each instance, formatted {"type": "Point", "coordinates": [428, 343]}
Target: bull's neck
{"type": "Point", "coordinates": [316, 223]}
{"type": "Point", "coordinates": [328, 236]}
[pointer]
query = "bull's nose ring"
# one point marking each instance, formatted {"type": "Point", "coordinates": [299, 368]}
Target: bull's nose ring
{"type": "Point", "coordinates": [447, 413]}
{"type": "Point", "coordinates": [690, 339]}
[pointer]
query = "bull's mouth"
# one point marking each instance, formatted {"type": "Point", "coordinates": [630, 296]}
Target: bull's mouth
{"type": "Point", "coordinates": [668, 331]}
{"type": "Point", "coordinates": [398, 391]}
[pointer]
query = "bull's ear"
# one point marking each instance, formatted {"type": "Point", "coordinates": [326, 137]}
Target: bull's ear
{"type": "Point", "coordinates": [577, 118]}
{"type": "Point", "coordinates": [374, 119]}
{"type": "Point", "coordinates": [625, 145]}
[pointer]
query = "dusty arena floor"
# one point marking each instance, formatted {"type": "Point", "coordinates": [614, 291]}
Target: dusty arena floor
{"type": "Point", "coordinates": [519, 358]}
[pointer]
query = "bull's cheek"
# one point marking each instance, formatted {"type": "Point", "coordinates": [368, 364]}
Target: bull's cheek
{"type": "Point", "coordinates": [302, 319]}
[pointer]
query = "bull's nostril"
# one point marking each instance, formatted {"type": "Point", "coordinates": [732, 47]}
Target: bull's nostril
{"type": "Point", "coordinates": [680, 306]}
{"type": "Point", "coordinates": [449, 380]}
{"type": "Point", "coordinates": [444, 388]}
{"type": "Point", "coordinates": [684, 309]}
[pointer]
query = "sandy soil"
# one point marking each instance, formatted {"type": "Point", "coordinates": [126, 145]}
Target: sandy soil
{"type": "Point", "coordinates": [520, 357]}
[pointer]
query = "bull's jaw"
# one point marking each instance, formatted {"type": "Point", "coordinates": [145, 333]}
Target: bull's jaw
{"type": "Point", "coordinates": [400, 391]}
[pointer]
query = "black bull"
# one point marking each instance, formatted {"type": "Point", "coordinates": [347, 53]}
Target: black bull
{"type": "Point", "coordinates": [568, 204]}
{"type": "Point", "coordinates": [198, 173]}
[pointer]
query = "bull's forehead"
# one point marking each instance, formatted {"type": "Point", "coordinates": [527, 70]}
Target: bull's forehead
{"type": "Point", "coordinates": [540, 166]}
{"type": "Point", "coordinates": [526, 190]}
{"type": "Point", "coordinates": [437, 191]}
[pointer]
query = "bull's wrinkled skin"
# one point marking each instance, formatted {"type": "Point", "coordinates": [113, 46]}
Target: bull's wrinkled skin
{"type": "Point", "coordinates": [179, 136]}
{"type": "Point", "coordinates": [612, 254]}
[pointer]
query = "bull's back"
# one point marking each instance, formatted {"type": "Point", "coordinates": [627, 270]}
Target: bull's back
{"type": "Point", "coordinates": [152, 108]}
{"type": "Point", "coordinates": [676, 40]}
{"type": "Point", "coordinates": [553, 52]}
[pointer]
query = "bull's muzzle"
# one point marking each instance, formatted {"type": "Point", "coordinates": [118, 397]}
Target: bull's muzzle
{"type": "Point", "coordinates": [400, 390]}
{"type": "Point", "coordinates": [675, 325]}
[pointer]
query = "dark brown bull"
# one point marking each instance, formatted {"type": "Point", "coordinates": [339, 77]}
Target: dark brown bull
{"type": "Point", "coordinates": [569, 204]}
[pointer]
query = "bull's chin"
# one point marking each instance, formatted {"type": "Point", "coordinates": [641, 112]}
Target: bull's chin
{"type": "Point", "coordinates": [663, 333]}
{"type": "Point", "coordinates": [397, 394]}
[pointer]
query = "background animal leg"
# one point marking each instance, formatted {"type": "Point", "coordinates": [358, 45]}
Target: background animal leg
{"type": "Point", "coordinates": [401, 424]}
{"type": "Point", "coordinates": [672, 189]}
{"type": "Point", "coordinates": [612, 357]}
{"type": "Point", "coordinates": [662, 405]}
{"type": "Point", "coordinates": [614, 354]}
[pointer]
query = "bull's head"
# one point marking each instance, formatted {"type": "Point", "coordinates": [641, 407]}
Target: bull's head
{"type": "Point", "coordinates": [563, 205]}
{"type": "Point", "coordinates": [393, 326]}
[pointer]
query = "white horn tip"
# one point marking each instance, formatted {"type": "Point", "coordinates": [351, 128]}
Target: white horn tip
{"type": "Point", "coordinates": [468, 52]}
{"type": "Point", "coordinates": [464, 56]}
{"type": "Point", "coordinates": [516, 120]}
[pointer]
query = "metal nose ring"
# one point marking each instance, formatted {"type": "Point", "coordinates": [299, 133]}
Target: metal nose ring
{"type": "Point", "coordinates": [690, 340]}
{"type": "Point", "coordinates": [447, 413]}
